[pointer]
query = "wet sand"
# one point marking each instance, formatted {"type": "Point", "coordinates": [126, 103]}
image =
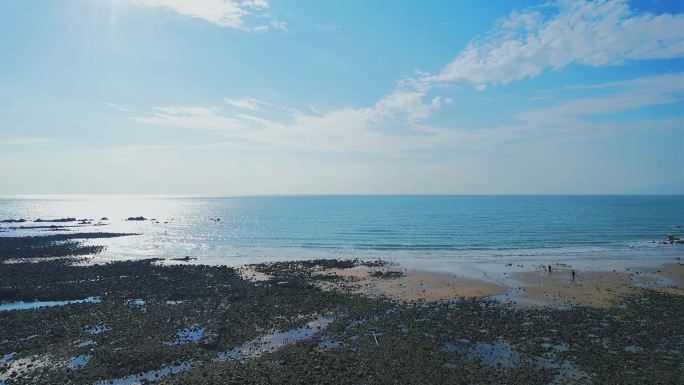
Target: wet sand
{"type": "Point", "coordinates": [249, 274]}
{"type": "Point", "coordinates": [673, 272]}
{"type": "Point", "coordinates": [593, 288]}
{"type": "Point", "coordinates": [527, 288]}
{"type": "Point", "coordinates": [590, 288]}
{"type": "Point", "coordinates": [408, 285]}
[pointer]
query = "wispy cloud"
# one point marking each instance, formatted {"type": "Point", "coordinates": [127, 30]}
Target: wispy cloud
{"type": "Point", "coordinates": [394, 125]}
{"type": "Point", "coordinates": [622, 96]}
{"type": "Point", "coordinates": [234, 146]}
{"type": "Point", "coordinates": [390, 126]}
{"type": "Point", "coordinates": [224, 13]}
{"type": "Point", "coordinates": [204, 118]}
{"type": "Point", "coordinates": [371, 129]}
{"type": "Point", "coordinates": [595, 33]}
{"type": "Point", "coordinates": [248, 103]}
{"type": "Point", "coordinates": [117, 107]}
{"type": "Point", "coordinates": [23, 142]}
{"type": "Point", "coordinates": [575, 116]}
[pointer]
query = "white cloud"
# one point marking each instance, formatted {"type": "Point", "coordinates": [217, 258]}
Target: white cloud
{"type": "Point", "coordinates": [524, 44]}
{"type": "Point", "coordinates": [394, 124]}
{"type": "Point", "coordinates": [595, 33]}
{"type": "Point", "coordinates": [248, 103]}
{"type": "Point", "coordinates": [369, 130]}
{"type": "Point", "coordinates": [277, 24]}
{"type": "Point", "coordinates": [255, 3]}
{"type": "Point", "coordinates": [399, 103]}
{"type": "Point", "coordinates": [224, 13]}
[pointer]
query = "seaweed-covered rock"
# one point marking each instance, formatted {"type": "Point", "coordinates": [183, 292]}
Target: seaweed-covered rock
{"type": "Point", "coordinates": [13, 221]}
{"type": "Point", "coordinates": [57, 220]}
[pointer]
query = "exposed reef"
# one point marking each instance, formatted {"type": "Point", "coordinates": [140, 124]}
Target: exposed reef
{"type": "Point", "coordinates": [143, 322]}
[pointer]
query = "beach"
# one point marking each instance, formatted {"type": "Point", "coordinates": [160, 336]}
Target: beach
{"type": "Point", "coordinates": [257, 192]}
{"type": "Point", "coordinates": [355, 321]}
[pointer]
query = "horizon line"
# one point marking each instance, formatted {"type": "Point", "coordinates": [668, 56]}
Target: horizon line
{"type": "Point", "coordinates": [214, 196]}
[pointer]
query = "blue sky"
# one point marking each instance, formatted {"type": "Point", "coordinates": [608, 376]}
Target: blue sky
{"type": "Point", "coordinates": [235, 97]}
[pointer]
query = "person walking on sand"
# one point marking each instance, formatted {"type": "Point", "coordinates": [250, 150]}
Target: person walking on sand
{"type": "Point", "coordinates": [573, 275]}
{"type": "Point", "coordinates": [549, 269]}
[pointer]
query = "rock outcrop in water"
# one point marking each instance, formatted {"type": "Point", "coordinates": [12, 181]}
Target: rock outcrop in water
{"type": "Point", "coordinates": [187, 258]}
{"type": "Point", "coordinates": [58, 220]}
{"type": "Point", "coordinates": [673, 239]}
{"type": "Point", "coordinates": [141, 218]}
{"type": "Point", "coordinates": [13, 221]}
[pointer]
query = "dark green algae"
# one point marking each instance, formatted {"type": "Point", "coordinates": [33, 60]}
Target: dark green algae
{"type": "Point", "coordinates": [376, 341]}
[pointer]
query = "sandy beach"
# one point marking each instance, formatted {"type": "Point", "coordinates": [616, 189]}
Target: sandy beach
{"type": "Point", "coordinates": [534, 287]}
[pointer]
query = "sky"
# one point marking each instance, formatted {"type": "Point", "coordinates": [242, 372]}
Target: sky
{"type": "Point", "coordinates": [241, 97]}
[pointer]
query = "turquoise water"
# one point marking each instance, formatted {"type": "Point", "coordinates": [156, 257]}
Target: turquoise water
{"type": "Point", "coordinates": [306, 226]}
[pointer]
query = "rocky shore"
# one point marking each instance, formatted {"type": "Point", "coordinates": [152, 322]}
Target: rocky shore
{"type": "Point", "coordinates": [313, 322]}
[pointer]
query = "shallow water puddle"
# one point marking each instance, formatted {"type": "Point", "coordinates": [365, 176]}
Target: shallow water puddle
{"type": "Point", "coordinates": [650, 280]}
{"type": "Point", "coordinates": [152, 375]}
{"type": "Point", "coordinates": [86, 343]}
{"type": "Point", "coordinates": [633, 349]}
{"type": "Point", "coordinates": [138, 303]}
{"type": "Point", "coordinates": [503, 353]}
{"type": "Point", "coordinates": [79, 361]}
{"type": "Point", "coordinates": [329, 343]}
{"type": "Point", "coordinates": [497, 353]}
{"type": "Point", "coordinates": [97, 329]}
{"type": "Point", "coordinates": [7, 357]}
{"type": "Point", "coordinates": [21, 305]}
{"type": "Point", "coordinates": [275, 341]}
{"type": "Point", "coordinates": [192, 334]}
{"type": "Point", "coordinates": [27, 338]}
{"type": "Point", "coordinates": [491, 354]}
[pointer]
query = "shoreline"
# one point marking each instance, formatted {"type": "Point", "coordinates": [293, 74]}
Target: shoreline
{"type": "Point", "coordinates": [531, 286]}
{"type": "Point", "coordinates": [506, 281]}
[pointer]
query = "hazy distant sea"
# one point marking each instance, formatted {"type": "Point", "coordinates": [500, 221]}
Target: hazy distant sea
{"type": "Point", "coordinates": [254, 228]}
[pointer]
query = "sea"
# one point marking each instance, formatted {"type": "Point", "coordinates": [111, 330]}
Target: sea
{"type": "Point", "coordinates": [417, 228]}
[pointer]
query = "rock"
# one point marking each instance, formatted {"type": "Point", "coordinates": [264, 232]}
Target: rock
{"type": "Point", "coordinates": [186, 258]}
{"type": "Point", "coordinates": [56, 220]}
{"type": "Point", "coordinates": [673, 239]}
{"type": "Point", "coordinates": [141, 218]}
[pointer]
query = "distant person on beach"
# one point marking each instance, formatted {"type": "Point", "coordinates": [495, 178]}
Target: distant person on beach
{"type": "Point", "coordinates": [573, 275]}
{"type": "Point", "coordinates": [549, 269]}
